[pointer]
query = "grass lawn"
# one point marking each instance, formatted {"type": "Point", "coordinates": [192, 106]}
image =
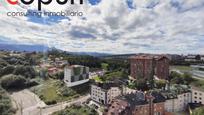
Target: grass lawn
{"type": "Point", "coordinates": [198, 83]}
{"type": "Point", "coordinates": [182, 68]}
{"type": "Point", "coordinates": [76, 110]}
{"type": "Point", "coordinates": [48, 91]}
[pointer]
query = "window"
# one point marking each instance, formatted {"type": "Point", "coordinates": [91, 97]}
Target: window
{"type": "Point", "coordinates": [135, 109]}
{"type": "Point", "coordinates": [195, 93]}
{"type": "Point", "coordinates": [195, 97]}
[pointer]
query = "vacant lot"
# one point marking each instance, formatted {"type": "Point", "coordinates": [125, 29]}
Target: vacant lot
{"type": "Point", "coordinates": [26, 101]}
{"type": "Point", "coordinates": [77, 110]}
{"type": "Point", "coordinates": [54, 91]}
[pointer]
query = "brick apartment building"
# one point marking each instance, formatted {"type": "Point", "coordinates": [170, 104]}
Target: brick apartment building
{"type": "Point", "coordinates": [137, 104]}
{"type": "Point", "coordinates": [145, 66]}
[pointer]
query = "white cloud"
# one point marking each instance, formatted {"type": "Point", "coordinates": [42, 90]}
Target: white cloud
{"type": "Point", "coordinates": [162, 28]}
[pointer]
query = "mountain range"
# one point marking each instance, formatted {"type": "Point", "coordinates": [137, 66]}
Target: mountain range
{"type": "Point", "coordinates": [42, 48]}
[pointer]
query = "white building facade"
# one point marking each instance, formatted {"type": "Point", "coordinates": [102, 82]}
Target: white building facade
{"type": "Point", "coordinates": [75, 75]}
{"type": "Point", "coordinates": [197, 95]}
{"type": "Point", "coordinates": [178, 103]}
{"type": "Point", "coordinates": [104, 95]}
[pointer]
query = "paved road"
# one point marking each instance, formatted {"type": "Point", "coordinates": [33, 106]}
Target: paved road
{"type": "Point", "coordinates": [28, 103]}
{"type": "Point", "coordinates": [25, 101]}
{"type": "Point", "coordinates": [50, 110]}
{"type": "Point", "coordinates": [194, 74]}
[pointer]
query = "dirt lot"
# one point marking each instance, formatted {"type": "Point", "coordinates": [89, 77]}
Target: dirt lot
{"type": "Point", "coordinates": [26, 102]}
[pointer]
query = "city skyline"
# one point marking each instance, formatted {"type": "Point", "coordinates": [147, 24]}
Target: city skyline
{"type": "Point", "coordinates": [116, 26]}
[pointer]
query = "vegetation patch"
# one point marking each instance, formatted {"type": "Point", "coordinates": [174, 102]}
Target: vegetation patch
{"type": "Point", "coordinates": [54, 91]}
{"type": "Point", "coordinates": [198, 83]}
{"type": "Point", "coordinates": [198, 111]}
{"type": "Point", "coordinates": [182, 68]}
{"type": "Point", "coordinates": [5, 103]}
{"type": "Point", "coordinates": [98, 79]}
{"type": "Point", "coordinates": [76, 110]}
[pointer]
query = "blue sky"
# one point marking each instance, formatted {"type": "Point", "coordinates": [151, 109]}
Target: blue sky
{"type": "Point", "coordinates": [111, 26]}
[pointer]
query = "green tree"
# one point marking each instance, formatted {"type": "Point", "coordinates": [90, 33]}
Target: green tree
{"type": "Point", "coordinates": [104, 66]}
{"type": "Point", "coordinates": [176, 78]}
{"type": "Point", "coordinates": [188, 78]}
{"type": "Point", "coordinates": [7, 70]}
{"type": "Point", "coordinates": [174, 74]}
{"type": "Point", "coordinates": [160, 83]}
{"type": "Point", "coordinates": [142, 85]}
{"type": "Point", "coordinates": [65, 91]}
{"type": "Point", "coordinates": [198, 111]}
{"type": "Point", "coordinates": [13, 81]}
{"type": "Point", "coordinates": [5, 103]}
{"type": "Point", "coordinates": [3, 63]}
{"type": "Point", "coordinates": [26, 71]}
{"type": "Point", "coordinates": [198, 57]}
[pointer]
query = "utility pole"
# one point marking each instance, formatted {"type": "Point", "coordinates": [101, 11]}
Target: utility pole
{"type": "Point", "coordinates": [40, 111]}
{"type": "Point", "coordinates": [21, 107]}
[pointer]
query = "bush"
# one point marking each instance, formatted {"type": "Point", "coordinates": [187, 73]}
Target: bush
{"type": "Point", "coordinates": [188, 78]}
{"type": "Point", "coordinates": [65, 91]}
{"type": "Point", "coordinates": [13, 81]}
{"type": "Point", "coordinates": [59, 75]}
{"type": "Point", "coordinates": [41, 97]}
{"type": "Point", "coordinates": [7, 70]}
{"type": "Point", "coordinates": [198, 111]}
{"type": "Point", "coordinates": [26, 71]}
{"type": "Point", "coordinates": [5, 103]}
{"type": "Point", "coordinates": [31, 83]}
{"type": "Point", "coordinates": [51, 102]}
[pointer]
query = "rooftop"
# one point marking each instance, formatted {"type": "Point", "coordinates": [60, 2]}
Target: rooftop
{"type": "Point", "coordinates": [135, 98]}
{"type": "Point", "coordinates": [106, 86]}
{"type": "Point", "coordinates": [118, 106]}
{"type": "Point", "coordinates": [174, 91]}
{"type": "Point", "coordinates": [158, 97]}
{"type": "Point", "coordinates": [149, 57]}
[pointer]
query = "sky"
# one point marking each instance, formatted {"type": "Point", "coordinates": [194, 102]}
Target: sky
{"type": "Point", "coordinates": [110, 26]}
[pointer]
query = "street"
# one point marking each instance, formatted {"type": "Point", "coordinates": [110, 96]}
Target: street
{"type": "Point", "coordinates": [28, 103]}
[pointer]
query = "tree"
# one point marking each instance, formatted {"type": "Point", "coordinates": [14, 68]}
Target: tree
{"type": "Point", "coordinates": [60, 75]}
{"type": "Point", "coordinates": [197, 57]}
{"type": "Point", "coordinates": [104, 66]}
{"type": "Point", "coordinates": [198, 111]}
{"type": "Point", "coordinates": [3, 63]}
{"type": "Point", "coordinates": [174, 74]}
{"type": "Point", "coordinates": [142, 85]}
{"type": "Point", "coordinates": [7, 70]}
{"type": "Point", "coordinates": [160, 83]}
{"type": "Point", "coordinates": [65, 91]}
{"type": "Point", "coordinates": [13, 81]}
{"type": "Point", "coordinates": [26, 71]}
{"type": "Point", "coordinates": [5, 103]}
{"type": "Point", "coordinates": [176, 78]}
{"type": "Point", "coordinates": [188, 78]}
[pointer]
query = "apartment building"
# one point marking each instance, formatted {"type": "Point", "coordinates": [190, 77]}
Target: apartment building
{"type": "Point", "coordinates": [197, 95]}
{"type": "Point", "coordinates": [138, 104]}
{"type": "Point", "coordinates": [75, 75]}
{"type": "Point", "coordinates": [146, 66]}
{"type": "Point", "coordinates": [177, 98]}
{"type": "Point", "coordinates": [104, 93]}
